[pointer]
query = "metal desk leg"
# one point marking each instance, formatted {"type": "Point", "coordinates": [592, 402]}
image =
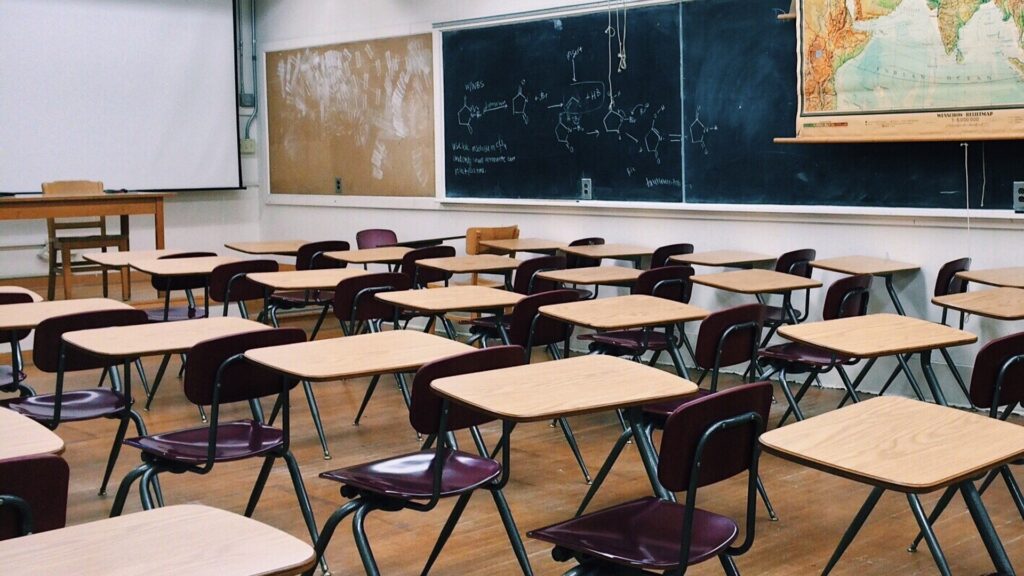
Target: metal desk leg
{"type": "Point", "coordinates": [933, 382]}
{"type": "Point", "coordinates": [673, 352]}
{"type": "Point", "coordinates": [647, 454]}
{"type": "Point", "coordinates": [929, 535]}
{"type": "Point", "coordinates": [985, 528]}
{"type": "Point", "coordinates": [892, 294]}
{"type": "Point", "coordinates": [910, 377]}
{"type": "Point", "coordinates": [851, 532]}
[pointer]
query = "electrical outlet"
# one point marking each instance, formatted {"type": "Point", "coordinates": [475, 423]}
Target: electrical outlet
{"type": "Point", "coordinates": [586, 189]}
{"type": "Point", "coordinates": [248, 146]}
{"type": "Point", "coordinates": [337, 185]}
{"type": "Point", "coordinates": [247, 100]}
{"type": "Point", "coordinates": [1018, 197]}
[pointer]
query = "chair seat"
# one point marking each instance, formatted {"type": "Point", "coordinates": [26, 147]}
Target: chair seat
{"type": "Point", "coordinates": [298, 299]}
{"type": "Point", "coordinates": [175, 314]}
{"type": "Point", "coordinates": [658, 412]}
{"type": "Point", "coordinates": [76, 405]}
{"type": "Point", "coordinates": [7, 375]}
{"type": "Point", "coordinates": [411, 476]}
{"type": "Point", "coordinates": [794, 353]}
{"type": "Point", "coordinates": [644, 533]}
{"type": "Point", "coordinates": [235, 440]}
{"type": "Point", "coordinates": [775, 315]}
{"type": "Point", "coordinates": [629, 341]}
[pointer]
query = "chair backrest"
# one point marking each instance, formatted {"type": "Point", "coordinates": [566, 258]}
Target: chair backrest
{"type": "Point", "coordinates": [668, 282]}
{"type": "Point", "coordinates": [309, 258]}
{"type": "Point", "coordinates": [847, 297]}
{"type": "Point", "coordinates": [476, 234]}
{"type": "Point", "coordinates": [239, 380]}
{"type": "Point", "coordinates": [74, 188]}
{"type": "Point", "coordinates": [729, 451]}
{"type": "Point", "coordinates": [797, 262]}
{"type": "Point", "coordinates": [374, 237]}
{"type": "Point", "coordinates": [15, 298]}
{"type": "Point", "coordinates": [999, 369]}
{"type": "Point", "coordinates": [729, 337]}
{"type": "Point", "coordinates": [49, 338]}
{"type": "Point", "coordinates": [574, 261]}
{"type": "Point", "coordinates": [526, 280]}
{"type": "Point", "coordinates": [947, 282]}
{"type": "Point", "coordinates": [425, 410]}
{"type": "Point", "coordinates": [180, 282]}
{"type": "Point", "coordinates": [42, 483]}
{"type": "Point", "coordinates": [419, 276]}
{"type": "Point", "coordinates": [354, 297]}
{"type": "Point", "coordinates": [530, 328]}
{"type": "Point", "coordinates": [662, 254]}
{"type": "Point", "coordinates": [229, 284]}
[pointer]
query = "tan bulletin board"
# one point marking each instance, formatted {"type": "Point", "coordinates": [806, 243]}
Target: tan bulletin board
{"type": "Point", "coordinates": [361, 113]}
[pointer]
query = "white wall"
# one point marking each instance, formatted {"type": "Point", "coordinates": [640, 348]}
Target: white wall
{"type": "Point", "coordinates": [925, 238]}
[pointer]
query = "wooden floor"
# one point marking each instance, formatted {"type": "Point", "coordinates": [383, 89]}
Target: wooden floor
{"type": "Point", "coordinates": [545, 487]}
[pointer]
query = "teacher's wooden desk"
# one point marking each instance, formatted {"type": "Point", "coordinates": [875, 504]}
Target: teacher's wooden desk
{"type": "Point", "coordinates": [38, 206]}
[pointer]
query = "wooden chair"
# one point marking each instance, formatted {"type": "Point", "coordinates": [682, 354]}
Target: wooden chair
{"type": "Point", "coordinates": [476, 235]}
{"type": "Point", "coordinates": [64, 244]}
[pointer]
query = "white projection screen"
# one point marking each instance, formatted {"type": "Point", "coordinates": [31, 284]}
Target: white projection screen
{"type": "Point", "coordinates": [137, 93]}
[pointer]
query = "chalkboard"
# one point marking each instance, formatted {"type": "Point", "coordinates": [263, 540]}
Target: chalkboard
{"type": "Point", "coordinates": [739, 92]}
{"type": "Point", "coordinates": [533, 107]}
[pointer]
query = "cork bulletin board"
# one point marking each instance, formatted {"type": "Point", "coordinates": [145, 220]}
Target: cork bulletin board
{"type": "Point", "coordinates": [352, 119]}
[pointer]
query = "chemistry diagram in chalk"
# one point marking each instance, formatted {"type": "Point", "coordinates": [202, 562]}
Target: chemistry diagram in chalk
{"type": "Point", "coordinates": [699, 131]}
{"type": "Point", "coordinates": [519, 102]}
{"type": "Point", "coordinates": [469, 113]}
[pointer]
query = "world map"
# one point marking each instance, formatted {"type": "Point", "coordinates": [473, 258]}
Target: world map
{"type": "Point", "coordinates": [897, 56]}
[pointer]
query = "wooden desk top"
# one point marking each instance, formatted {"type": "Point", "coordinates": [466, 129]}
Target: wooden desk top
{"type": "Point", "coordinates": [159, 337]}
{"type": "Point", "coordinates": [118, 259]}
{"type": "Point", "coordinates": [863, 265]}
{"type": "Point", "coordinates": [1005, 277]}
{"type": "Point", "coordinates": [19, 290]}
{"type": "Point", "coordinates": [524, 245]}
{"type": "Point", "coordinates": [384, 255]}
{"type": "Point", "coordinates": [620, 312]}
{"type": "Point", "coordinates": [479, 263]}
{"type": "Point", "coordinates": [184, 539]}
{"type": "Point", "coordinates": [30, 314]}
{"type": "Point", "coordinates": [181, 266]}
{"type": "Point", "coordinates": [898, 443]}
{"type": "Point", "coordinates": [278, 247]}
{"type": "Point", "coordinates": [876, 335]}
{"type": "Point", "coordinates": [357, 356]}
{"type": "Point", "coordinates": [569, 387]}
{"type": "Point", "coordinates": [613, 251]}
{"type": "Point", "coordinates": [728, 258]}
{"type": "Point", "coordinates": [26, 437]}
{"type": "Point", "coordinates": [756, 281]}
{"type": "Point", "coordinates": [320, 279]}
{"type": "Point", "coordinates": [998, 303]}
{"type": "Point", "coordinates": [601, 275]}
{"type": "Point", "coordinates": [452, 298]}
{"type": "Point", "coordinates": [58, 198]}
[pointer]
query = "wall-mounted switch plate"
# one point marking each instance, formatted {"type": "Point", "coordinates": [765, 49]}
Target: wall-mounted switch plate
{"type": "Point", "coordinates": [337, 185]}
{"type": "Point", "coordinates": [247, 146]}
{"type": "Point", "coordinates": [586, 189]}
{"type": "Point", "coordinates": [1018, 197]}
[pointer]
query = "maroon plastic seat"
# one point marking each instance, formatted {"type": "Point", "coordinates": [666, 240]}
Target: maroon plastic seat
{"type": "Point", "coordinates": [714, 436]}
{"type": "Point", "coordinates": [661, 255]}
{"type": "Point", "coordinates": [168, 284]}
{"type": "Point", "coordinates": [947, 282]}
{"type": "Point", "coordinates": [7, 375]}
{"type": "Point", "coordinates": [669, 282]}
{"type": "Point", "coordinates": [218, 374]}
{"type": "Point", "coordinates": [845, 298]}
{"type": "Point", "coordinates": [524, 282]}
{"type": "Point", "coordinates": [419, 480]}
{"type": "Point", "coordinates": [52, 355]}
{"type": "Point", "coordinates": [576, 261]}
{"type": "Point", "coordinates": [229, 284]}
{"type": "Point", "coordinates": [420, 276]}
{"type": "Point", "coordinates": [375, 237]}
{"type": "Point", "coordinates": [357, 310]}
{"type": "Point", "coordinates": [309, 257]}
{"type": "Point", "coordinates": [33, 495]}
{"type": "Point", "coordinates": [797, 263]}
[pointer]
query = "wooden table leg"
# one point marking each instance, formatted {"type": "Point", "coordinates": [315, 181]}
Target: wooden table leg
{"type": "Point", "coordinates": [158, 223]}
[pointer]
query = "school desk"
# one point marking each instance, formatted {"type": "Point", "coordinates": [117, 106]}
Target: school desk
{"type": "Point", "coordinates": [268, 248]}
{"type": "Point", "coordinates": [437, 302]}
{"type": "Point", "coordinates": [880, 267]}
{"type": "Point", "coordinates": [531, 245]}
{"type": "Point", "coordinates": [26, 437]}
{"type": "Point", "coordinates": [724, 258]}
{"type": "Point", "coordinates": [1012, 277]}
